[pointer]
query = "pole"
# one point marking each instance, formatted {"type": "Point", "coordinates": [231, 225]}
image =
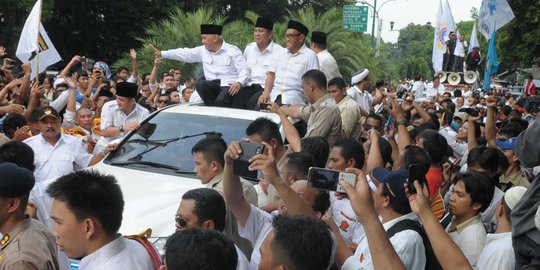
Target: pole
{"type": "Point", "coordinates": [373, 24]}
{"type": "Point", "coordinates": [39, 30]}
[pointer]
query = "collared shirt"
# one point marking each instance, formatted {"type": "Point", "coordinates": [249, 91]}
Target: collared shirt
{"type": "Point", "coordinates": [350, 117]}
{"type": "Point", "coordinates": [408, 245]}
{"type": "Point", "coordinates": [323, 119]}
{"type": "Point", "coordinates": [459, 148]}
{"type": "Point", "coordinates": [289, 69]}
{"type": "Point", "coordinates": [470, 236]}
{"type": "Point", "coordinates": [362, 97]}
{"type": "Point", "coordinates": [344, 216]}
{"type": "Point", "coordinates": [328, 65]}
{"type": "Point", "coordinates": [418, 89]}
{"type": "Point", "coordinates": [498, 253]}
{"type": "Point", "coordinates": [71, 128]}
{"type": "Point", "coordinates": [249, 191]}
{"type": "Point", "coordinates": [120, 253]}
{"type": "Point", "coordinates": [54, 161]}
{"type": "Point", "coordinates": [517, 179]}
{"type": "Point", "coordinates": [259, 62]}
{"type": "Point", "coordinates": [227, 64]}
{"type": "Point", "coordinates": [257, 226]}
{"type": "Point", "coordinates": [460, 48]}
{"type": "Point", "coordinates": [29, 245]}
{"type": "Point", "coordinates": [432, 90]}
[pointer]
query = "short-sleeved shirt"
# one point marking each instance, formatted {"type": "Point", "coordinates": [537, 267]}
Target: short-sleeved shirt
{"type": "Point", "coordinates": [517, 179]}
{"type": "Point", "coordinates": [226, 64]}
{"type": "Point", "coordinates": [52, 162]}
{"type": "Point", "coordinates": [498, 253]}
{"type": "Point", "coordinates": [258, 225]}
{"type": "Point", "coordinates": [362, 97]}
{"type": "Point", "coordinates": [28, 245]}
{"type": "Point", "coordinates": [408, 245]}
{"type": "Point", "coordinates": [328, 65]}
{"type": "Point", "coordinates": [432, 90]}
{"type": "Point", "coordinates": [259, 62]}
{"type": "Point", "coordinates": [323, 119]}
{"type": "Point", "coordinates": [418, 88]}
{"type": "Point", "coordinates": [289, 69]}
{"type": "Point", "coordinates": [350, 118]}
{"type": "Point", "coordinates": [470, 236]}
{"type": "Point", "coordinates": [120, 253]}
{"type": "Point", "coordinates": [350, 228]}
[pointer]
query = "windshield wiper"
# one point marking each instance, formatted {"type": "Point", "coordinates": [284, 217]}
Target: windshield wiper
{"type": "Point", "coordinates": [145, 162]}
{"type": "Point", "coordinates": [164, 142]}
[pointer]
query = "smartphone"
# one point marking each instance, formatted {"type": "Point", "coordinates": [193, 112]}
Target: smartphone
{"type": "Point", "coordinates": [263, 106]}
{"type": "Point", "coordinates": [326, 179]}
{"type": "Point", "coordinates": [416, 172]}
{"type": "Point", "coordinates": [388, 123]}
{"type": "Point", "coordinates": [241, 165]}
{"type": "Point", "coordinates": [90, 63]}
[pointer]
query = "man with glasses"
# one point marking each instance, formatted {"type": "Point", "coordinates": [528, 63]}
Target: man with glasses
{"type": "Point", "coordinates": [205, 208]}
{"type": "Point", "coordinates": [284, 79]}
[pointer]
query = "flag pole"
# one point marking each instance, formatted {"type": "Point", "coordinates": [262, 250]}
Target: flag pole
{"type": "Point", "coordinates": [39, 30]}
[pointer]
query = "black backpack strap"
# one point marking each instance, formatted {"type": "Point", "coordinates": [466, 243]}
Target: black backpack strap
{"type": "Point", "coordinates": [407, 224]}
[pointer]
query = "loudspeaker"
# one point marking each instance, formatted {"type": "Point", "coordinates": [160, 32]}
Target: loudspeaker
{"type": "Point", "coordinates": [442, 76]}
{"type": "Point", "coordinates": [470, 77]}
{"type": "Point", "coordinates": [454, 78]}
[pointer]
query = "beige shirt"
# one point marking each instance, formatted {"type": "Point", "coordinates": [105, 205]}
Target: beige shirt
{"type": "Point", "coordinates": [517, 179]}
{"type": "Point", "coordinates": [350, 118]}
{"type": "Point", "coordinates": [323, 119]}
{"type": "Point", "coordinates": [29, 245]}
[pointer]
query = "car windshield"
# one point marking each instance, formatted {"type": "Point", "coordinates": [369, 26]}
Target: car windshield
{"type": "Point", "coordinates": [165, 141]}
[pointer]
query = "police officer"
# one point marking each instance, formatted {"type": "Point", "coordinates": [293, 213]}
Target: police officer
{"type": "Point", "coordinates": [26, 243]}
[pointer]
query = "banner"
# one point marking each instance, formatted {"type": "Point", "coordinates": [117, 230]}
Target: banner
{"type": "Point", "coordinates": [473, 42]}
{"type": "Point", "coordinates": [445, 25]}
{"type": "Point", "coordinates": [492, 63]}
{"type": "Point", "coordinates": [491, 11]}
{"type": "Point", "coordinates": [33, 41]}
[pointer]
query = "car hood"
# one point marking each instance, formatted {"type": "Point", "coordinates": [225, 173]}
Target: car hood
{"type": "Point", "coordinates": [151, 199]}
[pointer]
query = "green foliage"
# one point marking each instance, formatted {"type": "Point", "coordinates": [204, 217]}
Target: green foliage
{"type": "Point", "coordinates": [413, 51]}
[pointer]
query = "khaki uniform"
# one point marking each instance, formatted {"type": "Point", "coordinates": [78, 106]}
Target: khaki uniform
{"type": "Point", "coordinates": [29, 245]}
{"type": "Point", "coordinates": [231, 225]}
{"type": "Point", "coordinates": [350, 118]}
{"type": "Point", "coordinates": [518, 179]}
{"type": "Point", "coordinates": [323, 119]}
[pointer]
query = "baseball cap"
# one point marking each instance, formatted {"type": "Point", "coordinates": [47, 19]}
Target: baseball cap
{"type": "Point", "coordinates": [507, 144]}
{"type": "Point", "coordinates": [394, 181]}
{"type": "Point", "coordinates": [47, 111]}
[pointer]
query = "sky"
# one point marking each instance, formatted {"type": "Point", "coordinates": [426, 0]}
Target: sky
{"type": "Point", "coordinates": [403, 12]}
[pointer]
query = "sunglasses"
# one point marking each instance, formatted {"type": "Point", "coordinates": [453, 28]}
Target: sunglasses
{"type": "Point", "coordinates": [368, 127]}
{"type": "Point", "coordinates": [162, 101]}
{"type": "Point", "coordinates": [181, 221]}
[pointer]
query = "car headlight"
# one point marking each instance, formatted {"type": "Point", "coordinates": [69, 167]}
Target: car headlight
{"type": "Point", "coordinates": [159, 244]}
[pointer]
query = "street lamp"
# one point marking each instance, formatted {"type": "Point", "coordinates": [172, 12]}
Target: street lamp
{"type": "Point", "coordinates": [375, 13]}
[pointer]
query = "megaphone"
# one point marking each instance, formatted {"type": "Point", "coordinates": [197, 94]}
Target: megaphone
{"type": "Point", "coordinates": [454, 78]}
{"type": "Point", "coordinates": [470, 77]}
{"type": "Point", "coordinates": [441, 75]}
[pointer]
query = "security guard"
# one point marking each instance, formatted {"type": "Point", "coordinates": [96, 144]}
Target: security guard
{"type": "Point", "coordinates": [26, 243]}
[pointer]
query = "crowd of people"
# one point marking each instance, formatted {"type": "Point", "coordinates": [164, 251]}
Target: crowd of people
{"type": "Point", "coordinates": [472, 202]}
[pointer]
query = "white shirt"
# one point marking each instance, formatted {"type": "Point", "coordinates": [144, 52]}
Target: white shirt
{"type": "Point", "coordinates": [350, 117]}
{"type": "Point", "coordinates": [54, 161]}
{"type": "Point", "coordinates": [242, 262]}
{"type": "Point", "coordinates": [470, 236]}
{"type": "Point", "coordinates": [351, 230]}
{"type": "Point", "coordinates": [362, 97]}
{"type": "Point", "coordinates": [257, 227]}
{"type": "Point", "coordinates": [119, 254]}
{"type": "Point", "coordinates": [432, 91]}
{"type": "Point", "coordinates": [289, 69]}
{"type": "Point", "coordinates": [227, 64]}
{"type": "Point", "coordinates": [459, 148]}
{"type": "Point", "coordinates": [489, 217]}
{"type": "Point", "coordinates": [498, 253]}
{"type": "Point", "coordinates": [418, 89]}
{"type": "Point", "coordinates": [460, 48]}
{"type": "Point", "coordinates": [407, 244]}
{"type": "Point", "coordinates": [259, 62]}
{"type": "Point", "coordinates": [328, 65]}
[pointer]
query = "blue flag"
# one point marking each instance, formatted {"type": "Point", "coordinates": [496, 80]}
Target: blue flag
{"type": "Point", "coordinates": [492, 63]}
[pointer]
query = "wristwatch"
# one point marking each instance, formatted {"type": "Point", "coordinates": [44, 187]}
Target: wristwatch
{"type": "Point", "coordinates": [122, 128]}
{"type": "Point", "coordinates": [402, 122]}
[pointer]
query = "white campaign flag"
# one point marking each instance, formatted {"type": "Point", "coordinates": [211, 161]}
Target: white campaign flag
{"type": "Point", "coordinates": [445, 25]}
{"type": "Point", "coordinates": [33, 41]}
{"type": "Point", "coordinates": [474, 40]}
{"type": "Point", "coordinates": [493, 14]}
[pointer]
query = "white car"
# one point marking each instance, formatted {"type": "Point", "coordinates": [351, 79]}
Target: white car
{"type": "Point", "coordinates": [154, 165]}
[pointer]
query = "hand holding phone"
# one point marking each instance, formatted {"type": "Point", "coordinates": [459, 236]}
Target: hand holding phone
{"type": "Point", "coordinates": [416, 173]}
{"type": "Point", "coordinates": [241, 165]}
{"type": "Point", "coordinates": [326, 179]}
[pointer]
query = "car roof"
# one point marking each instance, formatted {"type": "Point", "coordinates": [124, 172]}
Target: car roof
{"type": "Point", "coordinates": [201, 109]}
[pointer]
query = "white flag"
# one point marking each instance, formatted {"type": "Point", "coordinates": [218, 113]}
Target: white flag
{"type": "Point", "coordinates": [493, 14]}
{"type": "Point", "coordinates": [34, 40]}
{"type": "Point", "coordinates": [474, 40]}
{"type": "Point", "coordinates": [445, 25]}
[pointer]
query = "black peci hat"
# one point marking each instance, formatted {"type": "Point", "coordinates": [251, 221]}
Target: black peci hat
{"type": "Point", "coordinates": [298, 26]}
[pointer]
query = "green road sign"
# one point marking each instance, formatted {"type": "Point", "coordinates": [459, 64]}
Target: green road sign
{"type": "Point", "coordinates": [355, 18]}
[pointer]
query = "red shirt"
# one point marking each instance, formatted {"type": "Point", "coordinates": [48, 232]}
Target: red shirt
{"type": "Point", "coordinates": [434, 179]}
{"type": "Point", "coordinates": [530, 89]}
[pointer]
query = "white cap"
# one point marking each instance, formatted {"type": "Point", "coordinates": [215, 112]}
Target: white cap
{"type": "Point", "coordinates": [58, 81]}
{"type": "Point", "coordinates": [359, 76]}
{"type": "Point", "coordinates": [513, 195]}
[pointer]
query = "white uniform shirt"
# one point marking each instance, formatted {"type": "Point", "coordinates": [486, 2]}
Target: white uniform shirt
{"type": "Point", "coordinates": [418, 89]}
{"type": "Point", "coordinates": [498, 253]}
{"type": "Point", "coordinates": [259, 62]}
{"type": "Point", "coordinates": [460, 48]}
{"type": "Point", "coordinates": [242, 262]}
{"type": "Point", "coordinates": [407, 244]}
{"type": "Point", "coordinates": [470, 236]}
{"type": "Point", "coordinates": [54, 161]}
{"type": "Point", "coordinates": [432, 91]}
{"type": "Point", "coordinates": [362, 97]}
{"type": "Point", "coordinates": [257, 227]}
{"type": "Point", "coordinates": [227, 64]}
{"type": "Point", "coordinates": [351, 230]}
{"type": "Point", "coordinates": [111, 116]}
{"type": "Point", "coordinates": [289, 69]}
{"type": "Point", "coordinates": [119, 254]}
{"type": "Point", "coordinates": [350, 117]}
{"type": "Point", "coordinates": [328, 65]}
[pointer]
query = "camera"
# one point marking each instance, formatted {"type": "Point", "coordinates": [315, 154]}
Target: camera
{"type": "Point", "coordinates": [471, 111]}
{"type": "Point", "coordinates": [326, 179]}
{"type": "Point", "coordinates": [264, 106]}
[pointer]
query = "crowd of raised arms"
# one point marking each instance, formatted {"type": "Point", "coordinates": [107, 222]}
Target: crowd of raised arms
{"type": "Point", "coordinates": [445, 177]}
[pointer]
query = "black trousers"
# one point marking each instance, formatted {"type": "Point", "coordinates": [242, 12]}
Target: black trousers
{"type": "Point", "coordinates": [213, 94]}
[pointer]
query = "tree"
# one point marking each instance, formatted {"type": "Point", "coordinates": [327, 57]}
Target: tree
{"type": "Point", "coordinates": [414, 50]}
